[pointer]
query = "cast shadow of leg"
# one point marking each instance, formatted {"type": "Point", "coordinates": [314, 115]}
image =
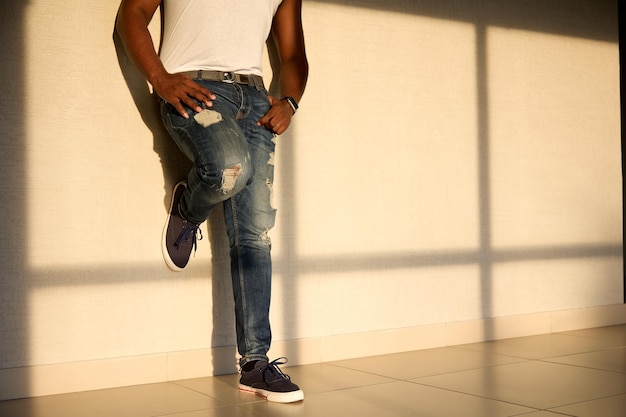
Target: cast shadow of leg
{"type": "Point", "coordinates": [175, 167]}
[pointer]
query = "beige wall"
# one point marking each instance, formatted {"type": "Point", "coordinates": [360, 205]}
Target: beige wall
{"type": "Point", "coordinates": [452, 162]}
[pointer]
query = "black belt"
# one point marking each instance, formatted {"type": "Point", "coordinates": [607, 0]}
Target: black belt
{"type": "Point", "coordinates": [227, 77]}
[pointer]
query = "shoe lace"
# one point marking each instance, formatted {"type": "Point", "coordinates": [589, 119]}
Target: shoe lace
{"type": "Point", "coordinates": [273, 369]}
{"type": "Point", "coordinates": [191, 231]}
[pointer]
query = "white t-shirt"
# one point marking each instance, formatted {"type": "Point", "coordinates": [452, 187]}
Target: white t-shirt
{"type": "Point", "coordinates": [223, 35]}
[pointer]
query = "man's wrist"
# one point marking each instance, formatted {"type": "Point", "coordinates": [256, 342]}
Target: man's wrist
{"type": "Point", "coordinates": [292, 102]}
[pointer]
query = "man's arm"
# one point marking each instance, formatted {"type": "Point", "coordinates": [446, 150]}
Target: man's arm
{"type": "Point", "coordinates": [177, 89]}
{"type": "Point", "coordinates": [294, 68]}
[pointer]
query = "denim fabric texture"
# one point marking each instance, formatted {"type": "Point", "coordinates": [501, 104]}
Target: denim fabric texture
{"type": "Point", "coordinates": [233, 164]}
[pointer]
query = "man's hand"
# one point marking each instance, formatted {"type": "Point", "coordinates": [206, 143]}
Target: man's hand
{"type": "Point", "coordinates": [278, 117]}
{"type": "Point", "coordinates": [179, 90]}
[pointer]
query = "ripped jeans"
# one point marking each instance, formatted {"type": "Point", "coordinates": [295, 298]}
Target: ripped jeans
{"type": "Point", "coordinates": [234, 163]}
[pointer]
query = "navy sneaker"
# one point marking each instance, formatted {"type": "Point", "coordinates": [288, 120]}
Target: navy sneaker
{"type": "Point", "coordinates": [269, 382]}
{"type": "Point", "coordinates": [179, 234]}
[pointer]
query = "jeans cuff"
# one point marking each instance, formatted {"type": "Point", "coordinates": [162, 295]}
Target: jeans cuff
{"type": "Point", "coordinates": [245, 359]}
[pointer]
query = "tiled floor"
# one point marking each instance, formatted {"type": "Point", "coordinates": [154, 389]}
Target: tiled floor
{"type": "Point", "coordinates": [579, 373]}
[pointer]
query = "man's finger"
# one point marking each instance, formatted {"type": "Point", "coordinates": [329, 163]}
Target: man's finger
{"type": "Point", "coordinates": [192, 104]}
{"type": "Point", "coordinates": [181, 110]}
{"type": "Point", "coordinates": [197, 90]}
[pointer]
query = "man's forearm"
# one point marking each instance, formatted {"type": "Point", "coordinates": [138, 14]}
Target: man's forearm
{"type": "Point", "coordinates": [132, 27]}
{"type": "Point", "coordinates": [293, 77]}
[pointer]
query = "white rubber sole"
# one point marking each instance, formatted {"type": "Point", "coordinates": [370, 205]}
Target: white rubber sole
{"type": "Point", "coordinates": [276, 397]}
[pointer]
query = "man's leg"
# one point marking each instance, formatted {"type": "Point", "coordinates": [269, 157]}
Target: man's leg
{"type": "Point", "coordinates": [249, 216]}
{"type": "Point", "coordinates": [213, 140]}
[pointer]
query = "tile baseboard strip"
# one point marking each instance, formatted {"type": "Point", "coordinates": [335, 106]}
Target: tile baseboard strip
{"type": "Point", "coordinates": [34, 381]}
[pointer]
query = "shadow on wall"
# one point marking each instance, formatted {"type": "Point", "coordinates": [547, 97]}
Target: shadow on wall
{"type": "Point", "coordinates": [13, 206]}
{"type": "Point", "coordinates": [175, 167]}
{"type": "Point", "coordinates": [577, 18]}
{"type": "Point", "coordinates": [622, 52]}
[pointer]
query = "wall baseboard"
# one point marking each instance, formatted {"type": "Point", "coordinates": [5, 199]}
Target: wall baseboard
{"type": "Point", "coordinates": [62, 378]}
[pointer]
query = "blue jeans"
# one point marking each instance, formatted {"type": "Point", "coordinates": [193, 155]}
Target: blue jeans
{"type": "Point", "coordinates": [233, 163]}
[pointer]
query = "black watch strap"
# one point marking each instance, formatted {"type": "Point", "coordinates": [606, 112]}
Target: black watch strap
{"type": "Point", "coordinates": [292, 103]}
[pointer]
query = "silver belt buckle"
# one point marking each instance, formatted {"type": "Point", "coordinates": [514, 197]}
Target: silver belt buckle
{"type": "Point", "coordinates": [228, 77]}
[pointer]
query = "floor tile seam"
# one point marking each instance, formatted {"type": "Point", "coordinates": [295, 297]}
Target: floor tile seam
{"type": "Point", "coordinates": [618, 344]}
{"type": "Point", "coordinates": [193, 390]}
{"type": "Point", "coordinates": [549, 357]}
{"type": "Point", "coordinates": [609, 344]}
{"type": "Point", "coordinates": [551, 361]}
{"type": "Point", "coordinates": [423, 383]}
{"type": "Point", "coordinates": [552, 409]}
{"type": "Point", "coordinates": [614, 327]}
{"type": "Point", "coordinates": [486, 368]}
{"type": "Point", "coordinates": [219, 405]}
{"type": "Point", "coordinates": [418, 379]}
{"type": "Point", "coordinates": [478, 368]}
{"type": "Point", "coordinates": [533, 408]}
{"type": "Point", "coordinates": [225, 406]}
{"type": "Point", "coordinates": [395, 379]}
{"type": "Point", "coordinates": [222, 402]}
{"type": "Point", "coordinates": [503, 355]}
{"type": "Point", "coordinates": [527, 358]}
{"type": "Point", "coordinates": [556, 413]}
{"type": "Point", "coordinates": [608, 349]}
{"type": "Point", "coordinates": [353, 388]}
{"type": "Point", "coordinates": [410, 379]}
{"type": "Point", "coordinates": [566, 334]}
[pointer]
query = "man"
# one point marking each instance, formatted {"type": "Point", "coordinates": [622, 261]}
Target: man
{"type": "Point", "coordinates": [214, 105]}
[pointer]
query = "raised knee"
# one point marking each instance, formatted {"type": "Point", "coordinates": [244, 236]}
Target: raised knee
{"type": "Point", "coordinates": [227, 181]}
{"type": "Point", "coordinates": [232, 176]}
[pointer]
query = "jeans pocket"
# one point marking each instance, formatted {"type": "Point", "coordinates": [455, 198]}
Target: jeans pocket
{"type": "Point", "coordinates": [172, 118]}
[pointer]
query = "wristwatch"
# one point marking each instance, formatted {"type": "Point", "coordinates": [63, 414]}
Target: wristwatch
{"type": "Point", "coordinates": [292, 103]}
